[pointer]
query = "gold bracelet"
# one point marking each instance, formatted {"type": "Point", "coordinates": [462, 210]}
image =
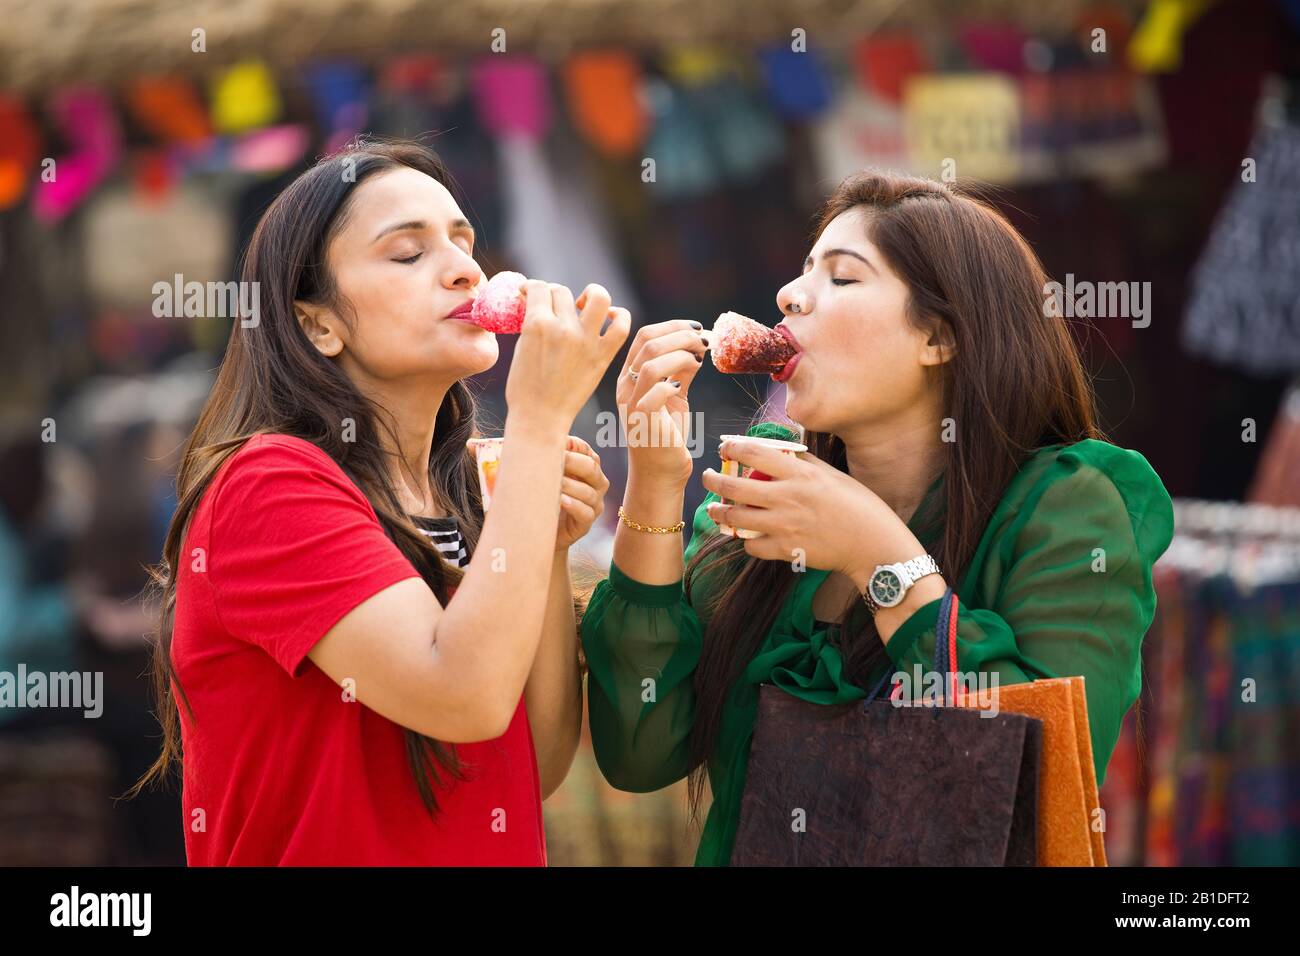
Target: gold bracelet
{"type": "Point", "coordinates": [622, 516]}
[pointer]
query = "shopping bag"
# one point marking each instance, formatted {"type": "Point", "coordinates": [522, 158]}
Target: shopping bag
{"type": "Point", "coordinates": [890, 782]}
{"type": "Point", "coordinates": [1070, 832]}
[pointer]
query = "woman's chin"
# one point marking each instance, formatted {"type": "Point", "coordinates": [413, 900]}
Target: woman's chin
{"type": "Point", "coordinates": [803, 412]}
{"type": "Point", "coordinates": [479, 354]}
{"type": "Point", "coordinates": [461, 361]}
{"type": "Point", "coordinates": [796, 405]}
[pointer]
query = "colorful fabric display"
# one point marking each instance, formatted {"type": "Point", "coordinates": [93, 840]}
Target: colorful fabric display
{"type": "Point", "coordinates": [153, 173]}
{"type": "Point", "coordinates": [690, 66]}
{"type": "Point", "coordinates": [244, 97]}
{"type": "Point", "coordinates": [275, 149]}
{"type": "Point", "coordinates": [1277, 476]}
{"type": "Point", "coordinates": [1244, 309]}
{"type": "Point", "coordinates": [1213, 735]}
{"type": "Point", "coordinates": [512, 96]}
{"type": "Point", "coordinates": [796, 82]}
{"type": "Point", "coordinates": [1157, 44]}
{"type": "Point", "coordinates": [85, 118]}
{"type": "Point", "coordinates": [168, 108]}
{"type": "Point", "coordinates": [340, 94]}
{"type": "Point", "coordinates": [414, 73]}
{"type": "Point", "coordinates": [605, 100]}
{"type": "Point", "coordinates": [684, 164]}
{"type": "Point", "coordinates": [743, 133]}
{"type": "Point", "coordinates": [885, 63]}
{"type": "Point", "coordinates": [20, 146]}
{"type": "Point", "coordinates": [994, 46]}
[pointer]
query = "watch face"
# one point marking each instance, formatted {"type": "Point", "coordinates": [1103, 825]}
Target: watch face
{"type": "Point", "coordinates": [886, 587]}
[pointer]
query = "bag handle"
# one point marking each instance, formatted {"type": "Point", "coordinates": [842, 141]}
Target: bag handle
{"type": "Point", "coordinates": [945, 648]}
{"type": "Point", "coordinates": [945, 644]}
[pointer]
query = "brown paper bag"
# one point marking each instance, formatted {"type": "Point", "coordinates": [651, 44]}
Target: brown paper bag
{"type": "Point", "coordinates": [884, 785]}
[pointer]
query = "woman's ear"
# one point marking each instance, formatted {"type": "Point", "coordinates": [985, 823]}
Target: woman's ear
{"type": "Point", "coordinates": [320, 325]}
{"type": "Point", "coordinates": [940, 346]}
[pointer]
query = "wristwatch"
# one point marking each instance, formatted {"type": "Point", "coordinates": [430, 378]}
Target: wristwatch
{"type": "Point", "coordinates": [889, 582]}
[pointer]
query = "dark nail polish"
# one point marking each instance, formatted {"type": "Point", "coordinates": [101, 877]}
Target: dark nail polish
{"type": "Point", "coordinates": [677, 384]}
{"type": "Point", "coordinates": [705, 341]}
{"type": "Point", "coordinates": [696, 325]}
{"type": "Point", "coordinates": [699, 358]}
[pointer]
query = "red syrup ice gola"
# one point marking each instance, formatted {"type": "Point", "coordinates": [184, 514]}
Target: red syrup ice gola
{"type": "Point", "coordinates": [741, 346]}
{"type": "Point", "coordinates": [500, 306]}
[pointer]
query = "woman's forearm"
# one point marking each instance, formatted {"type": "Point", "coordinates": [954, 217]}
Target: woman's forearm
{"type": "Point", "coordinates": [646, 556]}
{"type": "Point", "coordinates": [489, 632]}
{"type": "Point", "coordinates": [553, 694]}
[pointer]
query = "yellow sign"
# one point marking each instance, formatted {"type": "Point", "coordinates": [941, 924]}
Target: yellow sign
{"type": "Point", "coordinates": [963, 126]}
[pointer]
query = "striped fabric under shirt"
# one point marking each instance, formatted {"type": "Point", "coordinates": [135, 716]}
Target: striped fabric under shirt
{"type": "Point", "coordinates": [446, 537]}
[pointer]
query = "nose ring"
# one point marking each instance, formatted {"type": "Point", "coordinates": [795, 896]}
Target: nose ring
{"type": "Point", "coordinates": [796, 307]}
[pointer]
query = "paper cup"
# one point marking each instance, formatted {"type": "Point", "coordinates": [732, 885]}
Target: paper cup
{"type": "Point", "coordinates": [487, 453]}
{"type": "Point", "coordinates": [733, 467]}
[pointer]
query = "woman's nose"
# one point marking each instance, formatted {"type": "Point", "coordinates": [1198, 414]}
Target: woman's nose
{"type": "Point", "coordinates": [464, 273]}
{"type": "Point", "coordinates": [793, 301]}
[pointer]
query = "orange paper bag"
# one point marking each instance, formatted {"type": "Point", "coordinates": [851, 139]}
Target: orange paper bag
{"type": "Point", "coordinates": [1067, 783]}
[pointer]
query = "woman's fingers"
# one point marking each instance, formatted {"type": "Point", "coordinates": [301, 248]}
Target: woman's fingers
{"type": "Point", "coordinates": [582, 513]}
{"type": "Point", "coordinates": [581, 461]}
{"type": "Point", "coordinates": [537, 300]}
{"type": "Point", "coordinates": [581, 491]}
{"type": "Point", "coordinates": [657, 397]}
{"type": "Point", "coordinates": [574, 443]}
{"type": "Point", "coordinates": [594, 304]}
{"type": "Point", "coordinates": [613, 333]}
{"type": "Point", "coordinates": [678, 354]}
{"type": "Point", "coordinates": [586, 469]}
{"type": "Point", "coordinates": [583, 479]}
{"type": "Point", "coordinates": [747, 491]}
{"type": "Point", "coordinates": [678, 365]}
{"type": "Point", "coordinates": [648, 332]}
{"type": "Point", "coordinates": [562, 302]}
{"type": "Point", "coordinates": [686, 340]}
{"type": "Point", "coordinates": [742, 516]}
{"type": "Point", "coordinates": [770, 461]}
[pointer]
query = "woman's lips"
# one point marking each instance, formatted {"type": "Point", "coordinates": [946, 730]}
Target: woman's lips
{"type": "Point", "coordinates": [462, 311]}
{"type": "Point", "coordinates": [788, 369]}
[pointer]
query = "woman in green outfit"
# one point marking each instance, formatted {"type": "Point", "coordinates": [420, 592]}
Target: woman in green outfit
{"type": "Point", "coordinates": [948, 419]}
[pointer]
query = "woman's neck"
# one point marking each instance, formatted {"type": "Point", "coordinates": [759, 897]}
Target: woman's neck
{"type": "Point", "coordinates": [898, 462]}
{"type": "Point", "coordinates": [412, 413]}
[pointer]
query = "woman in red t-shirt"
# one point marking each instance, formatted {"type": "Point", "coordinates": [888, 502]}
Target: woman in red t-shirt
{"type": "Point", "coordinates": [332, 700]}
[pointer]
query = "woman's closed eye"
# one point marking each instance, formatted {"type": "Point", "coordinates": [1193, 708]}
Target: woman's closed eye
{"type": "Point", "coordinates": [843, 281]}
{"type": "Point", "coordinates": [409, 259]}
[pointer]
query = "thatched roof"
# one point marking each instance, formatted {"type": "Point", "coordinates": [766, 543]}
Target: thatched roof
{"type": "Point", "coordinates": [47, 42]}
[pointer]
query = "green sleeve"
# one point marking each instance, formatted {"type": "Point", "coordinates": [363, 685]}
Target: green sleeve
{"type": "Point", "coordinates": [1074, 593]}
{"type": "Point", "coordinates": [642, 643]}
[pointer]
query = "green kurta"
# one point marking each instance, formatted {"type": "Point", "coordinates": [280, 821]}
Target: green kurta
{"type": "Point", "coordinates": [1059, 585]}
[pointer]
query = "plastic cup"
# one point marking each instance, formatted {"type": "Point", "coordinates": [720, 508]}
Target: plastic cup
{"type": "Point", "coordinates": [732, 467]}
{"type": "Point", "coordinates": [487, 454]}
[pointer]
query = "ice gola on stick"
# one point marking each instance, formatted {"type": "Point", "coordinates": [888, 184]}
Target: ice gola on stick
{"type": "Point", "coordinates": [741, 346]}
{"type": "Point", "coordinates": [500, 306]}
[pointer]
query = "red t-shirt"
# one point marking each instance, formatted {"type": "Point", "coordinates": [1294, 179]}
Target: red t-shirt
{"type": "Point", "coordinates": [278, 767]}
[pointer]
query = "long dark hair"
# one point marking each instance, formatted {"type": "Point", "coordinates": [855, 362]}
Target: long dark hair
{"type": "Point", "coordinates": [272, 380]}
{"type": "Point", "coordinates": [1015, 383]}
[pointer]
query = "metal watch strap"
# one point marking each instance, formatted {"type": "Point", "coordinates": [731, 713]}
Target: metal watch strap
{"type": "Point", "coordinates": [918, 568]}
{"type": "Point", "coordinates": [914, 568]}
